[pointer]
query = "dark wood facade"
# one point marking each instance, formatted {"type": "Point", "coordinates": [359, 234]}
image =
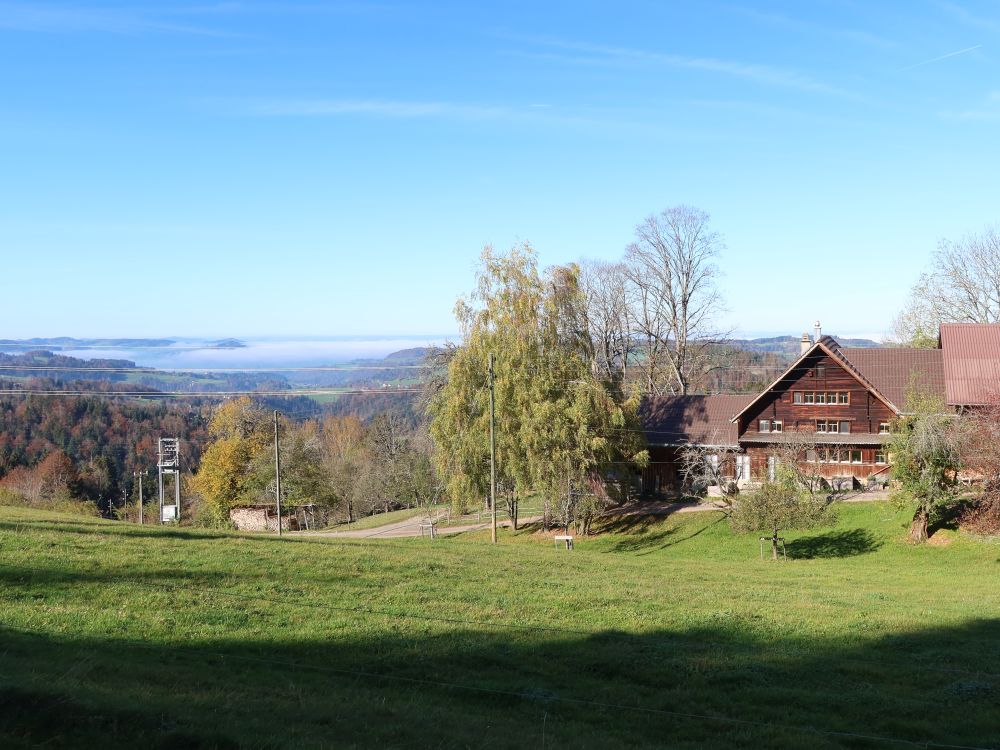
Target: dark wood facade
{"type": "Point", "coordinates": [820, 405]}
{"type": "Point", "coordinates": [822, 410]}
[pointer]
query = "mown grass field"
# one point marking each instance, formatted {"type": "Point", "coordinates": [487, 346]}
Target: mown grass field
{"type": "Point", "coordinates": [667, 633]}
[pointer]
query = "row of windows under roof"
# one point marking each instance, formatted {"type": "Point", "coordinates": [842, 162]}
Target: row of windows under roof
{"type": "Point", "coordinates": [841, 426]}
{"type": "Point", "coordinates": [827, 398]}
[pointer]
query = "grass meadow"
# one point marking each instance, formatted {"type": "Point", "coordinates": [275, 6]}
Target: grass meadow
{"type": "Point", "coordinates": [666, 632]}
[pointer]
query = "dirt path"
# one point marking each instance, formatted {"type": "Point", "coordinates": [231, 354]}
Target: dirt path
{"type": "Point", "coordinates": [411, 526]}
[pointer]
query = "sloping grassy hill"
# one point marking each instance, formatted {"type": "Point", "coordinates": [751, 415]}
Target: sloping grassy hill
{"type": "Point", "coordinates": [657, 633]}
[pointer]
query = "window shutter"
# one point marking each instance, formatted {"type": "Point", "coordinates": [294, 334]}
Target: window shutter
{"type": "Point", "coordinates": [845, 427]}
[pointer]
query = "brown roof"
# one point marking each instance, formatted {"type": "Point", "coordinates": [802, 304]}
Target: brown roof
{"type": "Point", "coordinates": [971, 362]}
{"type": "Point", "coordinates": [704, 420]}
{"type": "Point", "coordinates": [892, 371]}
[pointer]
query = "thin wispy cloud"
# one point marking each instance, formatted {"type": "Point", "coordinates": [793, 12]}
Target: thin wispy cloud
{"type": "Point", "coordinates": [68, 19]}
{"type": "Point", "coordinates": [530, 115]}
{"type": "Point", "coordinates": [939, 58]}
{"type": "Point", "coordinates": [969, 18]}
{"type": "Point", "coordinates": [987, 111]}
{"type": "Point", "coordinates": [762, 74]}
{"type": "Point", "coordinates": [376, 107]}
{"type": "Point", "coordinates": [858, 36]}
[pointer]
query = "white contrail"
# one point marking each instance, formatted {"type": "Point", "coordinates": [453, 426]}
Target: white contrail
{"type": "Point", "coordinates": [943, 57]}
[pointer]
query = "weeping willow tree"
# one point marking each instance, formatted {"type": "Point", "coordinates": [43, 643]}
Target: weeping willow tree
{"type": "Point", "coordinates": [926, 456]}
{"type": "Point", "coordinates": [558, 425]}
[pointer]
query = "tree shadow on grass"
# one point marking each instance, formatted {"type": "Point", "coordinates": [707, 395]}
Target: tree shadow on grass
{"type": "Point", "coordinates": [157, 531]}
{"type": "Point", "coordinates": [646, 534]}
{"type": "Point", "coordinates": [833, 544]}
{"type": "Point", "coordinates": [396, 684]}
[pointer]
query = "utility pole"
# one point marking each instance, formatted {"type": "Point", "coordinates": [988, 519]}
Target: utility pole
{"type": "Point", "coordinates": [277, 470]}
{"type": "Point", "coordinates": [493, 454]}
{"type": "Point", "coordinates": [138, 474]}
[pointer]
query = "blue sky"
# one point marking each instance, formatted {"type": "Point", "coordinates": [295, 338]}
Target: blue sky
{"type": "Point", "coordinates": [335, 168]}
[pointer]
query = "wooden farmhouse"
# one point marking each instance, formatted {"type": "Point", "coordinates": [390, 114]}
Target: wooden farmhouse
{"type": "Point", "coordinates": [833, 408]}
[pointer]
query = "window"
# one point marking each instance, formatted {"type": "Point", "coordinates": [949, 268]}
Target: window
{"type": "Point", "coordinates": [845, 427]}
{"type": "Point", "coordinates": [880, 455]}
{"type": "Point", "coordinates": [844, 398]}
{"type": "Point", "coordinates": [820, 398]}
{"type": "Point", "coordinates": [812, 456]}
{"type": "Point", "coordinates": [797, 397]}
{"type": "Point", "coordinates": [883, 428]}
{"type": "Point", "coordinates": [810, 398]}
{"type": "Point", "coordinates": [765, 425]}
{"type": "Point", "coordinates": [855, 456]}
{"type": "Point", "coordinates": [821, 371]}
{"type": "Point", "coordinates": [832, 427]}
{"type": "Point", "coordinates": [776, 425]}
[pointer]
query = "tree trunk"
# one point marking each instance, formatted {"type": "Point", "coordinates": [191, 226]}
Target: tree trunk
{"type": "Point", "coordinates": [918, 528]}
{"type": "Point", "coordinates": [513, 515]}
{"type": "Point", "coordinates": [774, 545]}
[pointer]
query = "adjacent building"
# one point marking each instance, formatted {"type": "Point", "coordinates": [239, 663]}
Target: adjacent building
{"type": "Point", "coordinates": [833, 407]}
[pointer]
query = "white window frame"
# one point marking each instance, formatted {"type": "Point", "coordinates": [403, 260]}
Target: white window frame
{"type": "Point", "coordinates": [883, 431]}
{"type": "Point", "coordinates": [797, 397]}
{"type": "Point", "coordinates": [777, 425]}
{"type": "Point", "coordinates": [764, 425]}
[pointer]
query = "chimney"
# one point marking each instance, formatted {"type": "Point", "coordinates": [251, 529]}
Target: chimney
{"type": "Point", "coordinates": [818, 331]}
{"type": "Point", "coordinates": [804, 344]}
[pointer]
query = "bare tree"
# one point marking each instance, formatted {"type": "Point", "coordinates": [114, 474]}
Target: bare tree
{"type": "Point", "coordinates": [962, 286]}
{"type": "Point", "coordinates": [609, 322]}
{"type": "Point", "coordinates": [980, 450]}
{"type": "Point", "coordinates": [706, 466]}
{"type": "Point", "coordinates": [672, 272]}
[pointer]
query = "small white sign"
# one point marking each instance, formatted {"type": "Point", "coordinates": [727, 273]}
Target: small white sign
{"type": "Point", "coordinates": [169, 513]}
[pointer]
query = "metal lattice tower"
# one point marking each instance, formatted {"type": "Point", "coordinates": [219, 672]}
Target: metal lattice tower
{"type": "Point", "coordinates": [169, 462]}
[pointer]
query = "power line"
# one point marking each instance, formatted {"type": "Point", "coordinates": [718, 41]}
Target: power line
{"type": "Point", "coordinates": [208, 394]}
{"type": "Point", "coordinates": [143, 370]}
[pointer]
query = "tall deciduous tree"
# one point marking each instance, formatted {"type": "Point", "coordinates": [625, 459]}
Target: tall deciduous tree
{"type": "Point", "coordinates": [672, 268]}
{"type": "Point", "coordinates": [227, 476]}
{"type": "Point", "coordinates": [961, 286]}
{"type": "Point", "coordinates": [556, 422]}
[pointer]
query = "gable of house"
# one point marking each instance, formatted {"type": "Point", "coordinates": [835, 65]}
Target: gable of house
{"type": "Point", "coordinates": [821, 393]}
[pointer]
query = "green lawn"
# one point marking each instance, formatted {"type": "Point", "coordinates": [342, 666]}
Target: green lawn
{"type": "Point", "coordinates": [656, 633]}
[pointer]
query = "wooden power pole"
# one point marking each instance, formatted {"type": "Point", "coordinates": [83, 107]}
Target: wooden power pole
{"type": "Point", "coordinates": [138, 475]}
{"type": "Point", "coordinates": [493, 454]}
{"type": "Point", "coordinates": [277, 470]}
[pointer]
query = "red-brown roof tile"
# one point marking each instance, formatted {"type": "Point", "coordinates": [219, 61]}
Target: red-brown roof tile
{"type": "Point", "coordinates": [894, 371]}
{"type": "Point", "coordinates": [971, 362]}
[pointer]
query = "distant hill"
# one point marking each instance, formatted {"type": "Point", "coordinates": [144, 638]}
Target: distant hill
{"type": "Point", "coordinates": [789, 345]}
{"type": "Point", "coordinates": [416, 355]}
{"type": "Point", "coordinates": [226, 344]}
{"type": "Point", "coordinates": [67, 342]}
